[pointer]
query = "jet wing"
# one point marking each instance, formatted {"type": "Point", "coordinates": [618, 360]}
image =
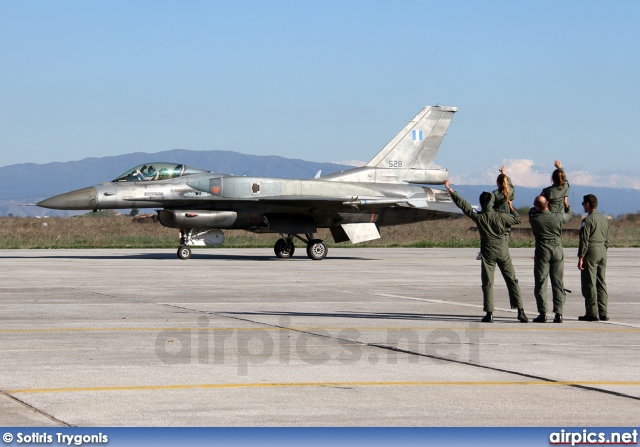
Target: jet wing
{"type": "Point", "coordinates": [362, 202]}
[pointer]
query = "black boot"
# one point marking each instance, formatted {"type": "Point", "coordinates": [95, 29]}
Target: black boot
{"type": "Point", "coordinates": [558, 318]}
{"type": "Point", "coordinates": [542, 318]}
{"type": "Point", "coordinates": [521, 316]}
{"type": "Point", "coordinates": [488, 318]}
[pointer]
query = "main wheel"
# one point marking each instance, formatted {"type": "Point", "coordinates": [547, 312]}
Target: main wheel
{"type": "Point", "coordinates": [317, 250]}
{"type": "Point", "coordinates": [284, 249]}
{"type": "Point", "coordinates": [184, 252]}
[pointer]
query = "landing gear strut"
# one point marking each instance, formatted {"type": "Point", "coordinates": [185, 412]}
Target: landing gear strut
{"type": "Point", "coordinates": [316, 248]}
{"type": "Point", "coordinates": [202, 238]}
{"type": "Point", "coordinates": [184, 252]}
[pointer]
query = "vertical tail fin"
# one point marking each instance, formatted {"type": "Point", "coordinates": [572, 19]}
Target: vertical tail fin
{"type": "Point", "coordinates": [416, 145]}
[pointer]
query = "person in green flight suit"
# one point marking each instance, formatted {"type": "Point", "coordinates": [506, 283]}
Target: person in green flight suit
{"type": "Point", "coordinates": [557, 194]}
{"type": "Point", "coordinates": [504, 195]}
{"type": "Point", "coordinates": [501, 199]}
{"type": "Point", "coordinates": [592, 260]}
{"type": "Point", "coordinates": [495, 250]}
{"type": "Point", "coordinates": [548, 258]}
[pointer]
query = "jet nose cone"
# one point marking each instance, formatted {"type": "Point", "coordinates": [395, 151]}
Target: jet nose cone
{"type": "Point", "coordinates": [81, 199]}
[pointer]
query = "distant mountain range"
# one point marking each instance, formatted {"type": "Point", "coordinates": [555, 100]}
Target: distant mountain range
{"type": "Point", "coordinates": [30, 182]}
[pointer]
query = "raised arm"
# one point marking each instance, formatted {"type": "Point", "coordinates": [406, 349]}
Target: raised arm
{"type": "Point", "coordinates": [461, 203]}
{"type": "Point", "coordinates": [512, 190]}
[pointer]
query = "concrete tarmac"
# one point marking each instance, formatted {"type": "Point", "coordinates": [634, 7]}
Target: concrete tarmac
{"type": "Point", "coordinates": [366, 337]}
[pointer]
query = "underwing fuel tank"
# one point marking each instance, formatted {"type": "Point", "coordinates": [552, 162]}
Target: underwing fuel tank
{"type": "Point", "coordinates": [197, 218]}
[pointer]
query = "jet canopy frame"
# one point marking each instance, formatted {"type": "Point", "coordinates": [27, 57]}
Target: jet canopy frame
{"type": "Point", "coordinates": [158, 171]}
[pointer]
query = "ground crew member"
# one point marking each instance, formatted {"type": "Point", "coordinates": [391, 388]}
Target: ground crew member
{"type": "Point", "coordinates": [495, 250]}
{"type": "Point", "coordinates": [500, 200]}
{"type": "Point", "coordinates": [504, 195]}
{"type": "Point", "coordinates": [592, 260]}
{"type": "Point", "coordinates": [558, 193]}
{"type": "Point", "coordinates": [549, 257]}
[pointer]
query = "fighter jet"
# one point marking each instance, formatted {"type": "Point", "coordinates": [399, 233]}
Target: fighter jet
{"type": "Point", "coordinates": [353, 204]}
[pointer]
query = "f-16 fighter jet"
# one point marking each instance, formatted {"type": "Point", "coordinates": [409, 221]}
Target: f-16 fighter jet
{"type": "Point", "coordinates": [353, 204]}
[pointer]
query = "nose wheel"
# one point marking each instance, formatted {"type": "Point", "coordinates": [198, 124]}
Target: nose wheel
{"type": "Point", "coordinates": [316, 248]}
{"type": "Point", "coordinates": [184, 252]}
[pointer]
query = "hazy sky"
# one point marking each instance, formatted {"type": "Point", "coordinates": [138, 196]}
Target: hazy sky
{"type": "Point", "coordinates": [327, 81]}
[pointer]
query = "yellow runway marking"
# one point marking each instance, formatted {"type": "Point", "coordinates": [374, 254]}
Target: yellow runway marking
{"type": "Point", "coordinates": [310, 384]}
{"type": "Point", "coordinates": [518, 327]}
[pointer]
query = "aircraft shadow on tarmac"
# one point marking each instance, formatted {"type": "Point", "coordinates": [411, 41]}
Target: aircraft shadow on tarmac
{"type": "Point", "coordinates": [172, 256]}
{"type": "Point", "coordinates": [375, 316]}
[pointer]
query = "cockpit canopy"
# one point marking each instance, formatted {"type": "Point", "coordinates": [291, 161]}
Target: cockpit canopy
{"type": "Point", "coordinates": [157, 171]}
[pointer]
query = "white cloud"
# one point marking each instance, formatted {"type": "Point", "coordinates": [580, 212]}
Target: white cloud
{"type": "Point", "coordinates": [526, 173]}
{"type": "Point", "coordinates": [584, 178]}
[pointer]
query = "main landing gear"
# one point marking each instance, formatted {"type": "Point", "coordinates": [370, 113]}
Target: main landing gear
{"type": "Point", "coordinates": [283, 248]}
{"type": "Point", "coordinates": [316, 248]}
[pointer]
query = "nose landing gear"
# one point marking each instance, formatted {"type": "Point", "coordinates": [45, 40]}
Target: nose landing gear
{"type": "Point", "coordinates": [184, 252]}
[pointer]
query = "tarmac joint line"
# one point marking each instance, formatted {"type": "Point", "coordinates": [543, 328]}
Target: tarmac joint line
{"type": "Point", "coordinates": [34, 409]}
